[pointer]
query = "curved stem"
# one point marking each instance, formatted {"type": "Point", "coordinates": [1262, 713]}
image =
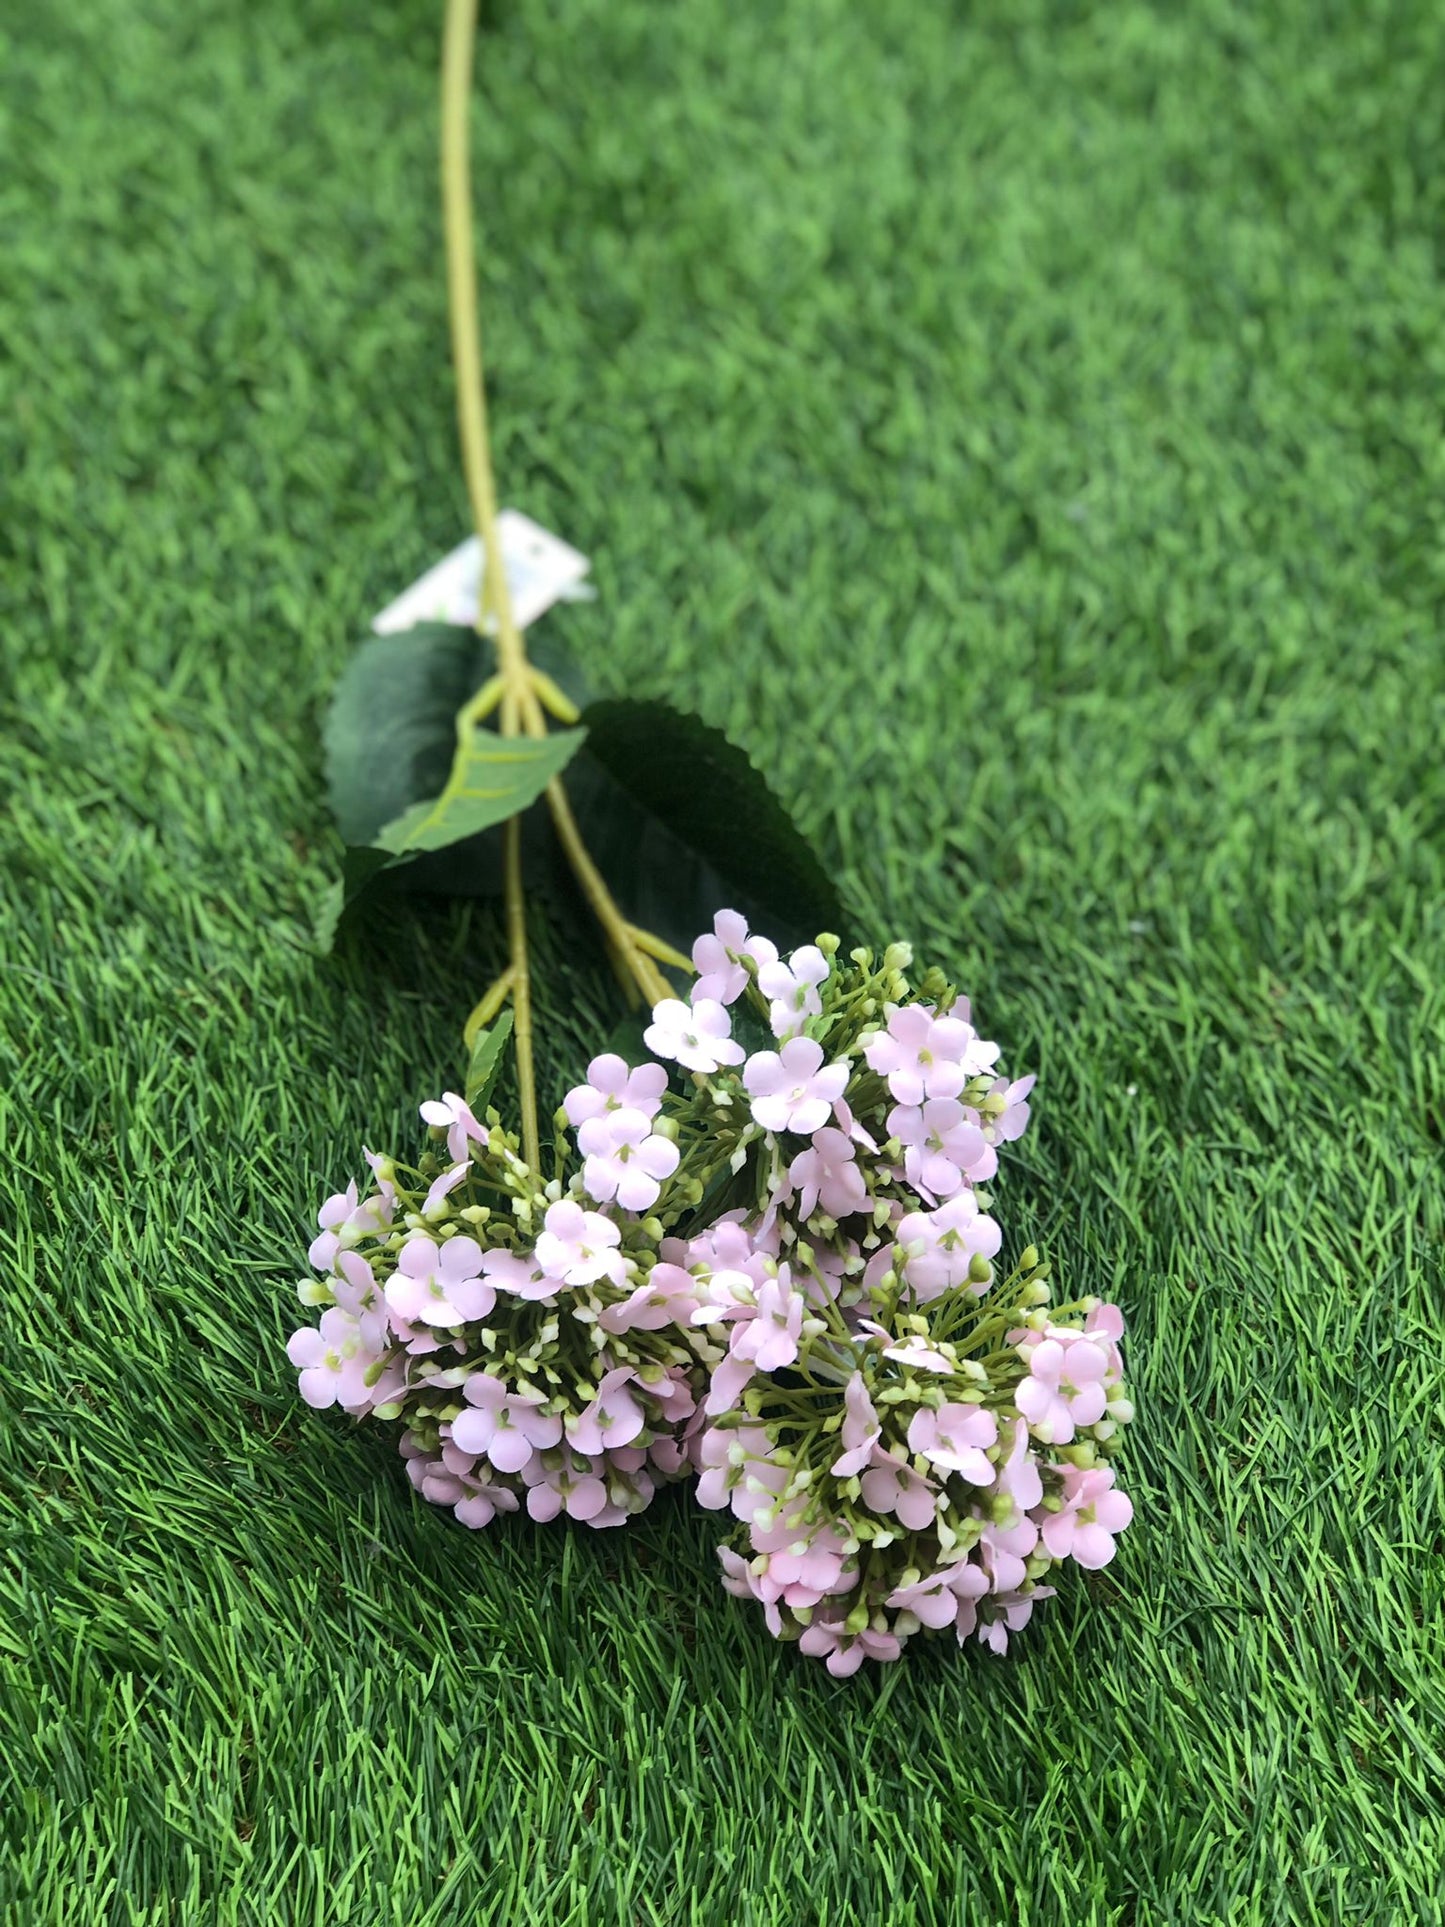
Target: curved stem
{"type": "Point", "coordinates": [458, 44]}
{"type": "Point", "coordinates": [511, 688]}
{"type": "Point", "coordinates": [650, 980]}
{"type": "Point", "coordinates": [521, 992]}
{"type": "Point", "coordinates": [520, 692]}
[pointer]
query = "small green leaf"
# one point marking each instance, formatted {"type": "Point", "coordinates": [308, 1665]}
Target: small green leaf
{"type": "Point", "coordinates": [493, 778]}
{"type": "Point", "coordinates": [486, 1060]}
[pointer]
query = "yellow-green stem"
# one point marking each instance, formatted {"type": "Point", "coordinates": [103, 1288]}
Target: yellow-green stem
{"type": "Point", "coordinates": [521, 992]}
{"type": "Point", "coordinates": [519, 692]}
{"type": "Point", "coordinates": [457, 52]}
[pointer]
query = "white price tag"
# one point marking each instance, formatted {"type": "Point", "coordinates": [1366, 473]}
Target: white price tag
{"type": "Point", "coordinates": [541, 569]}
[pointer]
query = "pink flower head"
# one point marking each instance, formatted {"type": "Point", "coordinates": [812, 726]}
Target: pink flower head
{"type": "Point", "coordinates": [741, 1581]}
{"type": "Point", "coordinates": [354, 1287]}
{"type": "Point", "coordinates": [935, 1598]}
{"type": "Point", "coordinates": [578, 1247]}
{"type": "Point", "coordinates": [792, 988]}
{"type": "Point", "coordinates": [730, 1245]}
{"type": "Point", "coordinates": [438, 1284]}
{"type": "Point", "coordinates": [790, 1088]}
{"type": "Point", "coordinates": [674, 1398]}
{"type": "Point", "coordinates": [930, 1599]}
{"type": "Point", "coordinates": [713, 1458]}
{"type": "Point", "coordinates": [762, 1483]}
{"type": "Point", "coordinates": [442, 1186]}
{"type": "Point", "coordinates": [1105, 1322]}
{"type": "Point", "coordinates": [626, 1160]}
{"type": "Point", "coordinates": [454, 1115]}
{"type": "Point", "coordinates": [718, 959]}
{"type": "Point", "coordinates": [1092, 1513]}
{"type": "Point", "coordinates": [729, 1380]}
{"type": "Point", "coordinates": [699, 1037]}
{"type": "Point", "coordinates": [517, 1272]}
{"type": "Point", "coordinates": [802, 1565]}
{"type": "Point", "coordinates": [923, 1055]}
{"type": "Point", "coordinates": [891, 1485]}
{"type": "Point", "coordinates": [611, 1419]}
{"type": "Point", "coordinates": [943, 1146]}
{"type": "Point", "coordinates": [666, 1296]}
{"type": "Point", "coordinates": [1104, 1327]}
{"type": "Point", "coordinates": [956, 1438]}
{"type": "Point", "coordinates": [343, 1220]}
{"type": "Point", "coordinates": [1019, 1479]}
{"type": "Point", "coordinates": [505, 1426]}
{"type": "Point", "coordinates": [851, 1128]}
{"type": "Point", "coordinates": [1064, 1388]}
{"type": "Point", "coordinates": [1002, 1551]}
{"type": "Point", "coordinates": [1013, 1610]}
{"type": "Point", "coordinates": [479, 1503]}
{"type": "Point", "coordinates": [612, 1086]}
{"type": "Point", "coordinates": [332, 1216]}
{"type": "Point", "coordinates": [770, 1338]}
{"type": "Point", "coordinates": [563, 1488]}
{"type": "Point", "coordinates": [924, 1358]}
{"type": "Point", "coordinates": [453, 1482]}
{"type": "Point", "coordinates": [1013, 1120]}
{"type": "Point", "coordinates": [334, 1363]}
{"type": "Point", "coordinates": [861, 1429]}
{"type": "Point", "coordinates": [845, 1653]}
{"type": "Point", "coordinates": [725, 1295]}
{"type": "Point", "coordinates": [827, 1174]}
{"type": "Point", "coordinates": [936, 1248]}
{"type": "Point", "coordinates": [767, 1322]}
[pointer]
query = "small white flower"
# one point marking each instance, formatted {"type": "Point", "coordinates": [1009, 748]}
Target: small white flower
{"type": "Point", "coordinates": [699, 1038]}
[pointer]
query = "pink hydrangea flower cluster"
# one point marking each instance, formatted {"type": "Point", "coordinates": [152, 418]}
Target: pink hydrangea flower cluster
{"type": "Point", "coordinates": [767, 1257]}
{"type": "Point", "coordinates": [896, 1483]}
{"type": "Point", "coordinates": [531, 1353]}
{"type": "Point", "coordinates": [903, 1443]}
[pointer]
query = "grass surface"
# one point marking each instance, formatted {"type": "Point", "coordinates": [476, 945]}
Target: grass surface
{"type": "Point", "coordinates": [1020, 425]}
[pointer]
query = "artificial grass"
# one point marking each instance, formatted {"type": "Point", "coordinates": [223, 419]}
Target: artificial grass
{"type": "Point", "coordinates": [1020, 426]}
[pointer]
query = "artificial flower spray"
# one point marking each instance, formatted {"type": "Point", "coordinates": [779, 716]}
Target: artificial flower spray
{"type": "Point", "coordinates": [760, 1254]}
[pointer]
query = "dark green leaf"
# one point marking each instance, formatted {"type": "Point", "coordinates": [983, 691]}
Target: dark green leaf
{"type": "Point", "coordinates": [360, 870]}
{"type": "Point", "coordinates": [486, 1060]}
{"type": "Point", "coordinates": [625, 1039]}
{"type": "Point", "coordinates": [681, 823]}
